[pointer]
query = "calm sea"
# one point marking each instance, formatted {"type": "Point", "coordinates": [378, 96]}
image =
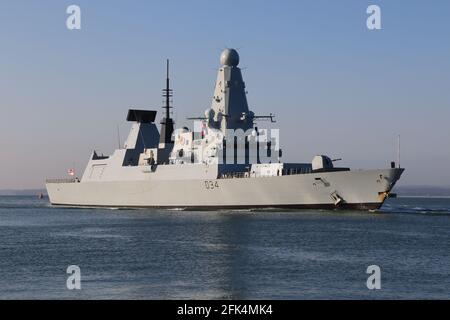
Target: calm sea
{"type": "Point", "coordinates": [150, 254]}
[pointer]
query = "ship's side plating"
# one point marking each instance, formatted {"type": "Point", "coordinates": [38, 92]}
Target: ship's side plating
{"type": "Point", "coordinates": [357, 190]}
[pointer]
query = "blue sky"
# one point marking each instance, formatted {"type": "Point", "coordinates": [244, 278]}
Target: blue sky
{"type": "Point", "coordinates": [336, 87]}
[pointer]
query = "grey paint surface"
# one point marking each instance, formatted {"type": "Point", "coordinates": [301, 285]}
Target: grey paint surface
{"type": "Point", "coordinates": [167, 189]}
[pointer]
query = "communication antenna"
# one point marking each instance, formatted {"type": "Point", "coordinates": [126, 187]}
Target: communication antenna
{"type": "Point", "coordinates": [167, 122]}
{"type": "Point", "coordinates": [167, 92]}
{"type": "Point", "coordinates": [118, 135]}
{"type": "Point", "coordinates": [398, 151]}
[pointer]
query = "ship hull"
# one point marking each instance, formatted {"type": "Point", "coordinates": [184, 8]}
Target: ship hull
{"type": "Point", "coordinates": [346, 190]}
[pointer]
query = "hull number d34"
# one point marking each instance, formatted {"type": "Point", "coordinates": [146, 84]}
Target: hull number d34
{"type": "Point", "coordinates": [210, 185]}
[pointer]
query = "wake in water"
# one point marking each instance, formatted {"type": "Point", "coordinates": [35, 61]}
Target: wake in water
{"type": "Point", "coordinates": [427, 206]}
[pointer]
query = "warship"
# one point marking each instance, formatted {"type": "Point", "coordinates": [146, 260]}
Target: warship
{"type": "Point", "coordinates": [224, 162]}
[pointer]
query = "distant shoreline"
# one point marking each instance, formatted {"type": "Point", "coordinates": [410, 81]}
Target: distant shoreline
{"type": "Point", "coordinates": [25, 192]}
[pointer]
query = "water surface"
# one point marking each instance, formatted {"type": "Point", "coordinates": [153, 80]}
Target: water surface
{"type": "Point", "coordinates": [160, 254]}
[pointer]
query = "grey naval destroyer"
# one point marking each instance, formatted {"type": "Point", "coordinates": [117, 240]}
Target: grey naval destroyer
{"type": "Point", "coordinates": [224, 162]}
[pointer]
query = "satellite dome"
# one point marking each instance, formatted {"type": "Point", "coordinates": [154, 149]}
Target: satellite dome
{"type": "Point", "coordinates": [229, 58]}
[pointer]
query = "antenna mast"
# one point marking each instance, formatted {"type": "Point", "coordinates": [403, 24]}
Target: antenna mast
{"type": "Point", "coordinates": [398, 151]}
{"type": "Point", "coordinates": [167, 93]}
{"type": "Point", "coordinates": [167, 122]}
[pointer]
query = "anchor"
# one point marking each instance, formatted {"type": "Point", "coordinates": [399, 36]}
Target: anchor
{"type": "Point", "coordinates": [336, 198]}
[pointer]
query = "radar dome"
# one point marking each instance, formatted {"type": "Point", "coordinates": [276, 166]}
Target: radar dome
{"type": "Point", "coordinates": [229, 58]}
